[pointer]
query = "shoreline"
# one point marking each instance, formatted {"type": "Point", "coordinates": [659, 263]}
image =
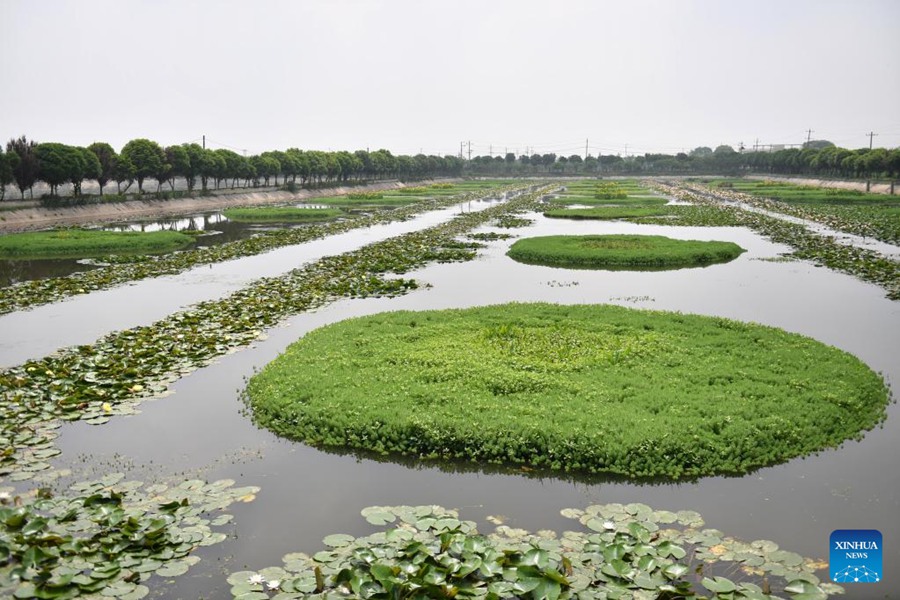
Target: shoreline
{"type": "Point", "coordinates": [38, 218]}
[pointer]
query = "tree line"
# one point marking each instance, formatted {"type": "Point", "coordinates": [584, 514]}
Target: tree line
{"type": "Point", "coordinates": [27, 162]}
{"type": "Point", "coordinates": [819, 159]}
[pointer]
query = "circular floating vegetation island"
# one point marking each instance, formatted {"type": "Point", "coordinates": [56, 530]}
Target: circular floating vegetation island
{"type": "Point", "coordinates": [620, 251]}
{"type": "Point", "coordinates": [590, 388]}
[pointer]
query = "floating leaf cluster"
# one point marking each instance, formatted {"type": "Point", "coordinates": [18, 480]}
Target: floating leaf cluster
{"type": "Point", "coordinates": [42, 291]}
{"type": "Point", "coordinates": [107, 538]}
{"type": "Point", "coordinates": [511, 222]}
{"type": "Point", "coordinates": [624, 551]}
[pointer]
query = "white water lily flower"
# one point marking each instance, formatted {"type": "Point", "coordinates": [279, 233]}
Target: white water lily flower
{"type": "Point", "coordinates": [609, 525]}
{"type": "Point", "coordinates": [274, 584]}
{"type": "Point", "coordinates": [5, 496]}
{"type": "Point", "coordinates": [256, 578]}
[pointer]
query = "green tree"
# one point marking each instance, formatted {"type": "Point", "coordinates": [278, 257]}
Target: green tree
{"type": "Point", "coordinates": [26, 166]}
{"type": "Point", "coordinates": [56, 164]}
{"type": "Point", "coordinates": [147, 157]}
{"type": "Point", "coordinates": [107, 158]}
{"type": "Point", "coordinates": [88, 168]}
{"type": "Point", "coordinates": [180, 164]}
{"type": "Point", "coordinates": [7, 162]}
{"type": "Point", "coordinates": [124, 171]}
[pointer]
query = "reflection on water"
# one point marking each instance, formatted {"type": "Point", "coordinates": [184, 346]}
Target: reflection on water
{"type": "Point", "coordinates": [307, 494]}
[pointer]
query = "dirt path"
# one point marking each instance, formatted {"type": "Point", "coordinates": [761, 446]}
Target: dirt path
{"type": "Point", "coordinates": [29, 219]}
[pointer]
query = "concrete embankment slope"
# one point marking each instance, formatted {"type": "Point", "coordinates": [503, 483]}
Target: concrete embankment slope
{"type": "Point", "coordinates": [27, 219]}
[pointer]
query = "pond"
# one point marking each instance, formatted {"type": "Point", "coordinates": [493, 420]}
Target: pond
{"type": "Point", "coordinates": [202, 430]}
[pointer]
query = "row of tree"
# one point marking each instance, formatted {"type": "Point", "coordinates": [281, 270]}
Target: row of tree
{"type": "Point", "coordinates": [27, 162]}
{"type": "Point", "coordinates": [820, 159]}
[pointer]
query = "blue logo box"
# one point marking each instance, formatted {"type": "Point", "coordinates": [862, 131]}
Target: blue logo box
{"type": "Point", "coordinates": [855, 556]}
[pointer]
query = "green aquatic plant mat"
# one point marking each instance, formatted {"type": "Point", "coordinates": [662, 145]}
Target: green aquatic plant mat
{"type": "Point", "coordinates": [599, 389]}
{"type": "Point", "coordinates": [85, 243]}
{"type": "Point", "coordinates": [621, 551]}
{"type": "Point", "coordinates": [282, 214]}
{"type": "Point", "coordinates": [620, 251]}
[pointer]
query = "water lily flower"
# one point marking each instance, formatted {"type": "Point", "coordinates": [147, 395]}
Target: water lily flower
{"type": "Point", "coordinates": [609, 525]}
{"type": "Point", "coordinates": [107, 407]}
{"type": "Point", "coordinates": [256, 578]}
{"type": "Point", "coordinates": [137, 387]}
{"type": "Point", "coordinates": [5, 497]}
{"type": "Point", "coordinates": [274, 584]}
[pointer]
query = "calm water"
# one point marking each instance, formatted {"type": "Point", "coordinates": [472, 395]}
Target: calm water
{"type": "Point", "coordinates": [307, 494]}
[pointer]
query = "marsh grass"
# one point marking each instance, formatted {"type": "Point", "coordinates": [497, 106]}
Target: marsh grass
{"type": "Point", "coordinates": [85, 243]}
{"type": "Point", "coordinates": [573, 388]}
{"type": "Point", "coordinates": [599, 251]}
{"type": "Point", "coordinates": [282, 214]}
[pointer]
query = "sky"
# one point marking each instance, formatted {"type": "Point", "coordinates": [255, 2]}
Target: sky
{"type": "Point", "coordinates": [412, 76]}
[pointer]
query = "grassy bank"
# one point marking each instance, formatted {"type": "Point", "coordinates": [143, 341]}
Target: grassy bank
{"type": "Point", "coordinates": [282, 214]}
{"type": "Point", "coordinates": [84, 243]}
{"type": "Point", "coordinates": [574, 388]}
{"type": "Point", "coordinates": [599, 251]}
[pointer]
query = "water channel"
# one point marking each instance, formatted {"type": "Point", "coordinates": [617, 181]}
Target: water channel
{"type": "Point", "coordinates": [201, 430]}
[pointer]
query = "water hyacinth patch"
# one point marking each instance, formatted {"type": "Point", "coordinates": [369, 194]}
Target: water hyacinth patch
{"type": "Point", "coordinates": [620, 251]}
{"type": "Point", "coordinates": [108, 537]}
{"type": "Point", "coordinates": [622, 551]}
{"type": "Point", "coordinates": [585, 388]}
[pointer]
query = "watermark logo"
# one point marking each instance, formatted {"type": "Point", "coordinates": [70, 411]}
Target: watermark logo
{"type": "Point", "coordinates": [855, 556]}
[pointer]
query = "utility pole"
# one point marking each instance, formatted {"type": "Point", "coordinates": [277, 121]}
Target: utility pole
{"type": "Point", "coordinates": [756, 145]}
{"type": "Point", "coordinates": [204, 141]}
{"type": "Point", "coordinates": [585, 147]}
{"type": "Point", "coordinates": [491, 151]}
{"type": "Point", "coordinates": [470, 150]}
{"type": "Point", "coordinates": [871, 134]}
{"type": "Point", "coordinates": [461, 144]}
{"type": "Point", "coordinates": [808, 136]}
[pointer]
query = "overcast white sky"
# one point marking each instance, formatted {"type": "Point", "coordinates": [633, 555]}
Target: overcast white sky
{"type": "Point", "coordinates": [423, 75]}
